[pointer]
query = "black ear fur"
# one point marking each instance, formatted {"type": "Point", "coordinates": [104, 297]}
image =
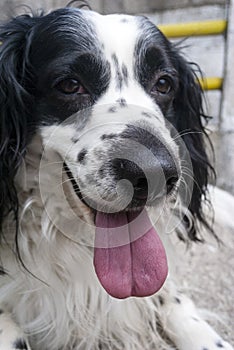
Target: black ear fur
{"type": "Point", "coordinates": [15, 104]}
{"type": "Point", "coordinates": [190, 121]}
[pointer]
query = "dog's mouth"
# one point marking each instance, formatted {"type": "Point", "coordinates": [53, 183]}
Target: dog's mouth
{"type": "Point", "coordinates": [129, 257]}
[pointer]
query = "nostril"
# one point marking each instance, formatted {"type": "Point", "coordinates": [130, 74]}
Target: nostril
{"type": "Point", "coordinates": [141, 188]}
{"type": "Point", "coordinates": [150, 181]}
{"type": "Point", "coordinates": [170, 183]}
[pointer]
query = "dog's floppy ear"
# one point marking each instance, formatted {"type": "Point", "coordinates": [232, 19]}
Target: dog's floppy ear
{"type": "Point", "coordinates": [15, 104]}
{"type": "Point", "coordinates": [190, 121]}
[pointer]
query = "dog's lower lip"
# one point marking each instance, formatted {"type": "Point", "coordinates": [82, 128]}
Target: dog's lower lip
{"type": "Point", "coordinates": [74, 183]}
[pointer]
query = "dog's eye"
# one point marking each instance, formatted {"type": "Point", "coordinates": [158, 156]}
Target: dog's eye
{"type": "Point", "coordinates": [70, 86]}
{"type": "Point", "coordinates": [163, 86]}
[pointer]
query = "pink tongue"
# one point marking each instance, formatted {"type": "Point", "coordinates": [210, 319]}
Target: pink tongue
{"type": "Point", "coordinates": [129, 257]}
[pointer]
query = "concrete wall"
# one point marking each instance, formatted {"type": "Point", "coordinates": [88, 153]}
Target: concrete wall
{"type": "Point", "coordinates": [209, 52]}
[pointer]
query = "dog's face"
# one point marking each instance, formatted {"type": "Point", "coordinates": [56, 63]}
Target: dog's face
{"type": "Point", "coordinates": [106, 93]}
{"type": "Point", "coordinates": [111, 89]}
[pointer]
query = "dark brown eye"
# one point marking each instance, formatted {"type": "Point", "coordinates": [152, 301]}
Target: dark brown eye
{"type": "Point", "coordinates": [70, 86]}
{"type": "Point", "coordinates": [163, 86]}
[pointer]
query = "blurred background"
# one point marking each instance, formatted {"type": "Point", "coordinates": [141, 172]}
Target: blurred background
{"type": "Point", "coordinates": [206, 267]}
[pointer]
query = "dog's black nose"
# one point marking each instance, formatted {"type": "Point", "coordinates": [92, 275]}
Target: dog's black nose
{"type": "Point", "coordinates": [149, 180]}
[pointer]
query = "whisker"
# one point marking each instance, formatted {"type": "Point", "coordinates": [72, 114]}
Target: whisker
{"type": "Point", "coordinates": [184, 133]}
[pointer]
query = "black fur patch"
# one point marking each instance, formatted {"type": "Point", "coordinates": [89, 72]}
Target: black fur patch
{"type": "Point", "coordinates": [121, 73]}
{"type": "Point", "coordinates": [109, 136]}
{"type": "Point", "coordinates": [81, 155]}
{"type": "Point", "coordinates": [20, 344]}
{"type": "Point", "coordinates": [161, 300]}
{"type": "Point", "coordinates": [146, 114]}
{"type": "Point", "coordinates": [219, 344]}
{"type": "Point", "coordinates": [122, 102]}
{"type": "Point", "coordinates": [119, 76]}
{"type": "Point", "coordinates": [125, 74]}
{"type": "Point", "coordinates": [177, 300]}
{"type": "Point", "coordinates": [112, 109]}
{"type": "Point", "coordinates": [75, 139]}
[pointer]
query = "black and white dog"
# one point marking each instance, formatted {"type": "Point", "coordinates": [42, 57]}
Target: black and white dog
{"type": "Point", "coordinates": [101, 133]}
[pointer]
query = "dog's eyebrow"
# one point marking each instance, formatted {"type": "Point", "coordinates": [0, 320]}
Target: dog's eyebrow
{"type": "Point", "coordinates": [155, 57]}
{"type": "Point", "coordinates": [65, 62]}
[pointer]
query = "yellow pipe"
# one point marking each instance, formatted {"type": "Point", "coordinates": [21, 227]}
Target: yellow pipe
{"type": "Point", "coordinates": [213, 27]}
{"type": "Point", "coordinates": [211, 83]}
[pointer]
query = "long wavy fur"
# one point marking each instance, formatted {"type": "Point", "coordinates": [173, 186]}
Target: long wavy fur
{"type": "Point", "coordinates": [191, 118]}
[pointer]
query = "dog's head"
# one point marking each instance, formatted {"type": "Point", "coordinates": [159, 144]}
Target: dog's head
{"type": "Point", "coordinates": [113, 95]}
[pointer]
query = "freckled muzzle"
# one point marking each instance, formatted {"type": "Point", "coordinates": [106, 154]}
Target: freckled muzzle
{"type": "Point", "coordinates": [125, 161]}
{"type": "Point", "coordinates": [138, 167]}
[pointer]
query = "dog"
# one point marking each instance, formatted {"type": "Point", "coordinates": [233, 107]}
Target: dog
{"type": "Point", "coordinates": [103, 161]}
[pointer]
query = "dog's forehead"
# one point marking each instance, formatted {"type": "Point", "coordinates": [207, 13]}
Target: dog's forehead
{"type": "Point", "coordinates": [80, 31]}
{"type": "Point", "coordinates": [116, 33]}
